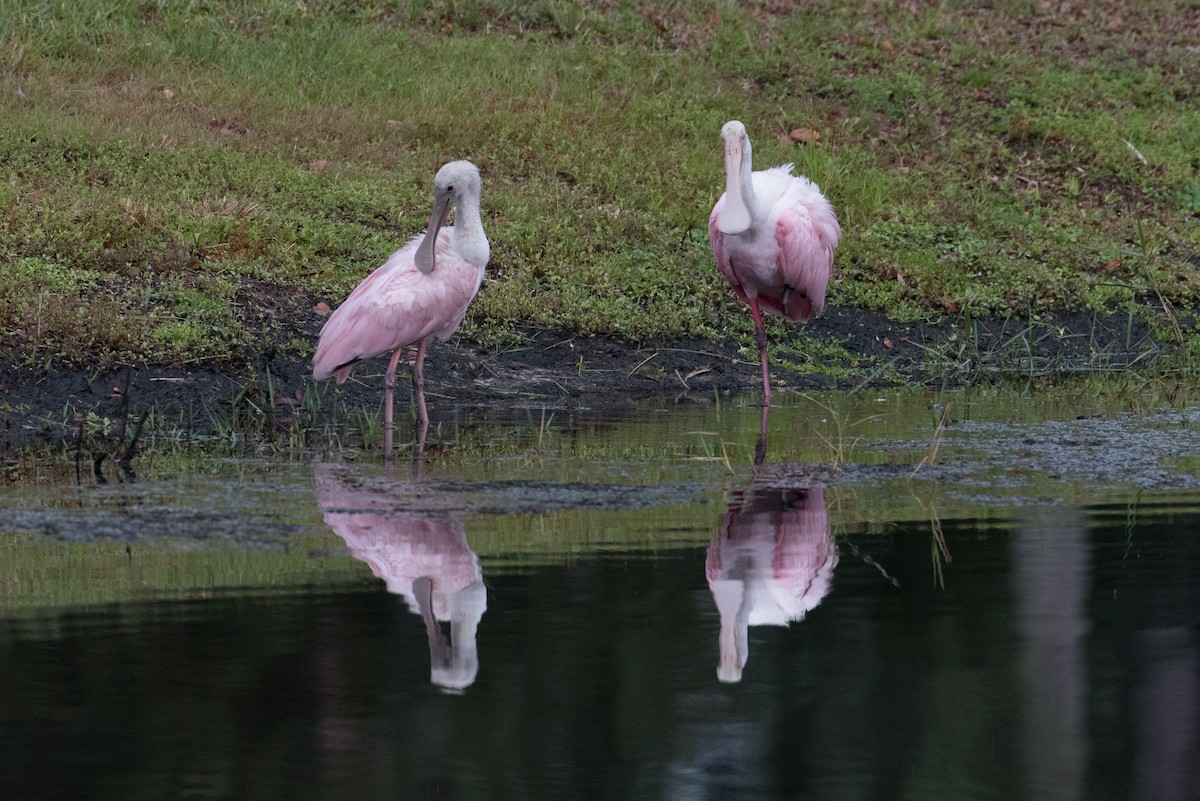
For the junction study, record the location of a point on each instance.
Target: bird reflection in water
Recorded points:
(771, 562)
(422, 556)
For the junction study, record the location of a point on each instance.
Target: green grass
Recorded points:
(177, 180)
(40, 574)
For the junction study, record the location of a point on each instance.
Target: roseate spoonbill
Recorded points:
(422, 291)
(770, 562)
(773, 235)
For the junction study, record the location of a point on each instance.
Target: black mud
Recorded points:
(548, 368)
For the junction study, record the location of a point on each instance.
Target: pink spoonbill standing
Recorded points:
(773, 235)
(421, 292)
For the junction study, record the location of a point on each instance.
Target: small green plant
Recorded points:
(1189, 198)
(930, 458)
(840, 445)
(706, 451)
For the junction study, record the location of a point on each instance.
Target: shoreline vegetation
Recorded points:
(184, 187)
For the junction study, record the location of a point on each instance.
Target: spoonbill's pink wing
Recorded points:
(397, 305)
(806, 242)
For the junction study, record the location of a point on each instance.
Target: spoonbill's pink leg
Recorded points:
(389, 392)
(761, 334)
(419, 385)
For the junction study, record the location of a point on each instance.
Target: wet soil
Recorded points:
(981, 463)
(549, 368)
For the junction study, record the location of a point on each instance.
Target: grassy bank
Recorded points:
(180, 182)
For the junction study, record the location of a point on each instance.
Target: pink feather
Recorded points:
(397, 305)
(773, 236)
(800, 255)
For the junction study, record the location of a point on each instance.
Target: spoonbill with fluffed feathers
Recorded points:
(773, 235)
(421, 292)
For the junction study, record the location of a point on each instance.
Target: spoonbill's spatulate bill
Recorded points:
(773, 235)
(422, 291)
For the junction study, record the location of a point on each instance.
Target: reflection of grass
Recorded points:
(543, 426)
(37, 573)
(939, 552)
(866, 558)
(852, 511)
(840, 449)
(1131, 519)
(515, 541)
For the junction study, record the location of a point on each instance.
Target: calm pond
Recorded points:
(591, 604)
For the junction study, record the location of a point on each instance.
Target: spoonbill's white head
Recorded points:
(454, 182)
(734, 133)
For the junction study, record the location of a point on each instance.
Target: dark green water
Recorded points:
(556, 626)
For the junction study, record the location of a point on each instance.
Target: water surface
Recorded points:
(593, 606)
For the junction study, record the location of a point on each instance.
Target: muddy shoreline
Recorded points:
(550, 368)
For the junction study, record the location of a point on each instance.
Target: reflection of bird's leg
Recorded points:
(439, 650)
(761, 335)
(389, 392)
(760, 452)
(419, 454)
(419, 457)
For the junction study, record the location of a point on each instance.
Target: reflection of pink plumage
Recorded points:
(423, 557)
(773, 236)
(402, 548)
(770, 563)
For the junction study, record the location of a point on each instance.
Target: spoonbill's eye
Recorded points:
(450, 188)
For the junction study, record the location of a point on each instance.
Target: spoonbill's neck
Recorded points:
(468, 237)
(738, 214)
(745, 180)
